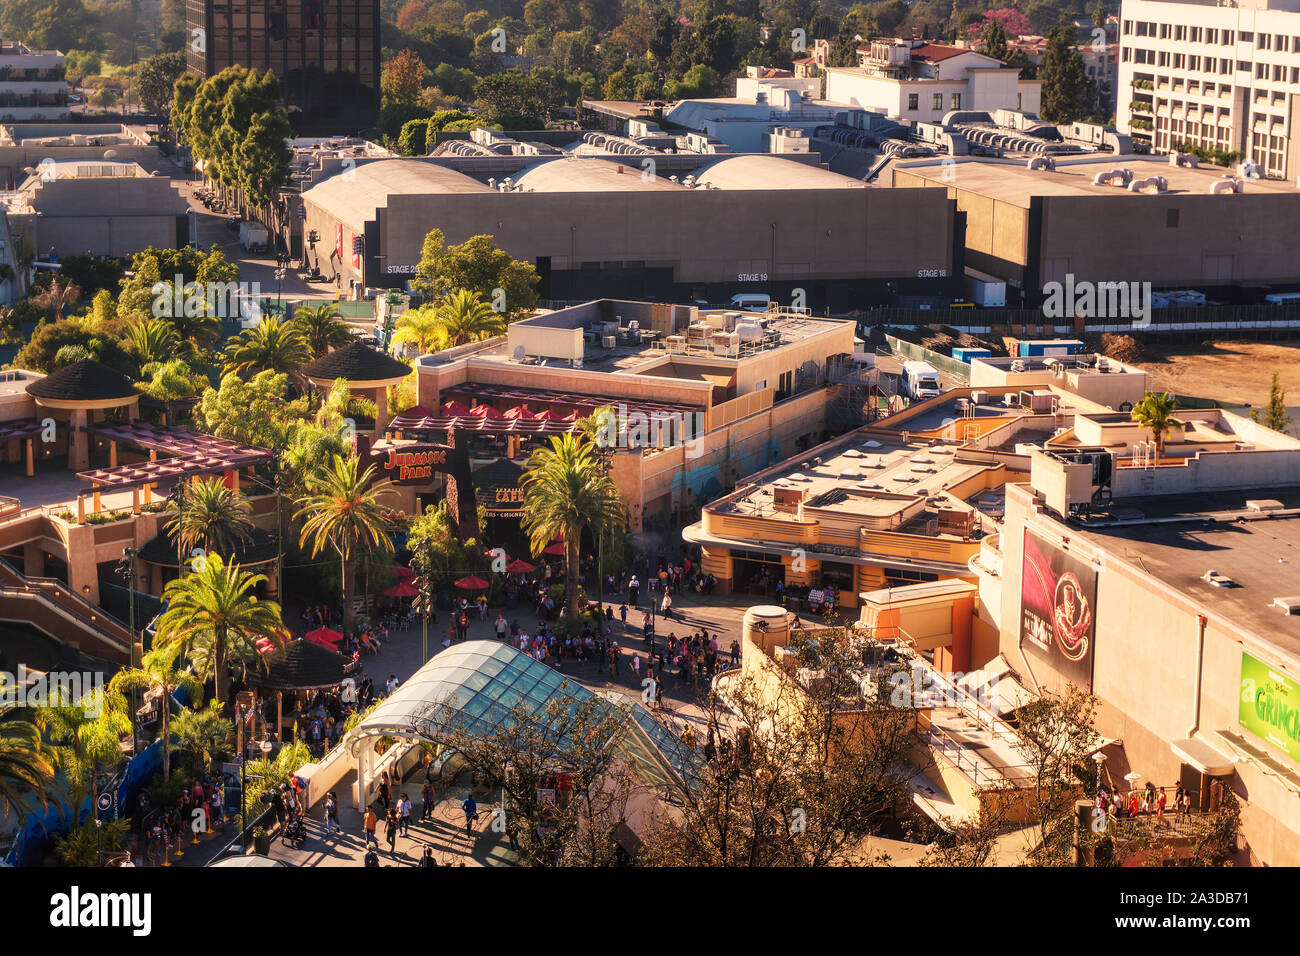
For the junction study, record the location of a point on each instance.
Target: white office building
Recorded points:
(922, 82)
(32, 84)
(1215, 75)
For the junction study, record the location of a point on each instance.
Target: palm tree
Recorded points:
(566, 490)
(215, 517)
(214, 611)
(24, 769)
(1156, 412)
(84, 734)
(272, 344)
(322, 327)
(343, 512)
(151, 340)
(160, 673)
(168, 382)
(202, 730)
(419, 327)
(464, 317)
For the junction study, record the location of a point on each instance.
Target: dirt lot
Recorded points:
(1235, 372)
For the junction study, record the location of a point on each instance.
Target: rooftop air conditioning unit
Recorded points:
(675, 343)
(607, 341)
(979, 398)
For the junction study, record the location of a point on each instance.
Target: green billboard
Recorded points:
(1270, 705)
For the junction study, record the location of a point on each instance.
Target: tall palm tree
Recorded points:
(463, 317)
(342, 512)
(215, 517)
(24, 767)
(1156, 412)
(419, 327)
(566, 490)
(151, 340)
(84, 734)
(213, 611)
(272, 344)
(160, 673)
(322, 327)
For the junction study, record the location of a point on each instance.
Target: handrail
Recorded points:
(56, 592)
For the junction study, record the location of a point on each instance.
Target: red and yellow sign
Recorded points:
(414, 464)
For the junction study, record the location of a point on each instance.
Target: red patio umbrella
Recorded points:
(519, 567)
(471, 583)
(557, 548)
(326, 637)
(402, 589)
(265, 645)
(520, 412)
(454, 409)
(484, 411)
(403, 571)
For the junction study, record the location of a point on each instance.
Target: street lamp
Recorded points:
(279, 277)
(126, 569)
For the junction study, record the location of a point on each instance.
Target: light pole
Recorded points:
(126, 568)
(279, 277)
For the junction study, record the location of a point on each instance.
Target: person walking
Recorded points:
(470, 806)
(404, 808)
(372, 857)
(427, 859)
(331, 814)
(666, 605)
(391, 824)
(368, 825)
(426, 797)
(633, 590)
(383, 789)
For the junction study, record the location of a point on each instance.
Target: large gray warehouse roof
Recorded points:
(770, 172)
(353, 195)
(587, 174)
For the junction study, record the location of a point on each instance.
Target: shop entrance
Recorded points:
(756, 572)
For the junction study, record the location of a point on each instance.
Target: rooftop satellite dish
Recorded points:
(519, 353)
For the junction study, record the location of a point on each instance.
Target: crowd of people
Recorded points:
(1150, 802)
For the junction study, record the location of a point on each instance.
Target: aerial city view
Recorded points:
(650, 433)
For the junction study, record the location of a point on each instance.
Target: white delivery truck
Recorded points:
(986, 291)
(253, 236)
(921, 379)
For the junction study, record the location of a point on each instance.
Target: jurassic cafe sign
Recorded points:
(414, 464)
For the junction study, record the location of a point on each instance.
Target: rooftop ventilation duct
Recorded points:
(1155, 183)
(1124, 176)
(1229, 185)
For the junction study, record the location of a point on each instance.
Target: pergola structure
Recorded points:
(481, 392)
(82, 390)
(191, 454)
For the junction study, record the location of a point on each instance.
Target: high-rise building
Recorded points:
(1220, 76)
(325, 52)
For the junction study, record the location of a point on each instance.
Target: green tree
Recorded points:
(212, 612)
(271, 345)
(84, 734)
(212, 516)
(462, 317)
(169, 382)
(150, 289)
(255, 412)
(1156, 412)
(403, 78)
(201, 731)
(322, 327)
(342, 512)
(1065, 96)
(150, 340)
(156, 82)
(1099, 14)
(479, 266)
(160, 673)
(24, 767)
(567, 491)
(619, 86)
(419, 327)
(994, 40)
(509, 94)
(1276, 417)
(414, 138)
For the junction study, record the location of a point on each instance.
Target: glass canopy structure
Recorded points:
(478, 685)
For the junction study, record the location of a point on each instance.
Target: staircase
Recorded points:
(48, 604)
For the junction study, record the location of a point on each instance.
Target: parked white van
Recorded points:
(751, 301)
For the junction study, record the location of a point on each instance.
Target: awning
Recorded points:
(995, 686)
(1203, 757)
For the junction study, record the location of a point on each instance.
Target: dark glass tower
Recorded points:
(325, 52)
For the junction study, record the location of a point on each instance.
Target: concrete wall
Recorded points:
(701, 235)
(1144, 672)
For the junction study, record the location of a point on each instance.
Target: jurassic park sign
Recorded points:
(414, 464)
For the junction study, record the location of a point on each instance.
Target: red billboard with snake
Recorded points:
(1058, 609)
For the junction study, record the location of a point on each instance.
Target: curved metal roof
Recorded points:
(770, 172)
(478, 684)
(586, 174)
(353, 195)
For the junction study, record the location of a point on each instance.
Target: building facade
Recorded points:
(325, 52)
(32, 84)
(1221, 77)
(922, 82)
